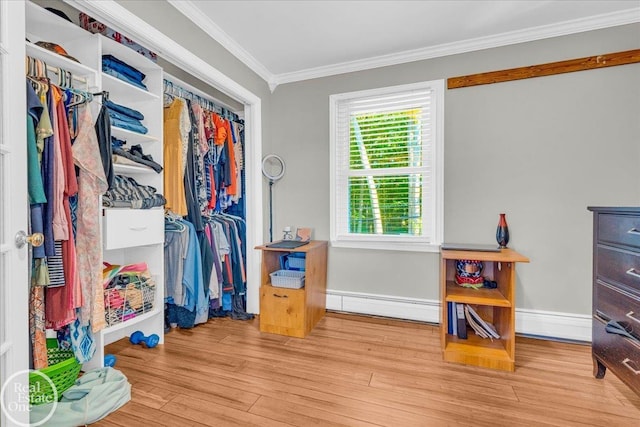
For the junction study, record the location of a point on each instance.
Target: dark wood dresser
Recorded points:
(616, 293)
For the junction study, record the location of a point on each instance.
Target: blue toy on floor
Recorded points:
(138, 337)
(109, 360)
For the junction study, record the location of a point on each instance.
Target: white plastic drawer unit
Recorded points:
(127, 228)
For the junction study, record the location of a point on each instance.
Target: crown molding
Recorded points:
(191, 11)
(624, 17)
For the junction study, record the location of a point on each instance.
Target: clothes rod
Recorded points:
(104, 94)
(184, 85)
(58, 71)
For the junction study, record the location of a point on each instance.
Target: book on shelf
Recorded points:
(475, 326)
(454, 320)
(481, 327)
(449, 317)
(462, 324)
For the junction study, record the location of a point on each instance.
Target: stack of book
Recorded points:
(458, 315)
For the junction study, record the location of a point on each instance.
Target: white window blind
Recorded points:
(386, 167)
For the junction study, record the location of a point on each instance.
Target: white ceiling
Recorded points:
(286, 41)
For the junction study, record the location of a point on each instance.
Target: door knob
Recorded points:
(36, 239)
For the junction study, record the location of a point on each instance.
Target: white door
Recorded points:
(14, 331)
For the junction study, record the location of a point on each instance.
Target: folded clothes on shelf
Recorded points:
(134, 114)
(122, 117)
(132, 126)
(123, 71)
(117, 143)
(125, 117)
(124, 78)
(127, 193)
(136, 155)
(119, 159)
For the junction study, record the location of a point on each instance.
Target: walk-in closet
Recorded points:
(138, 192)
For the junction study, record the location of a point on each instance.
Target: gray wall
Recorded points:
(541, 150)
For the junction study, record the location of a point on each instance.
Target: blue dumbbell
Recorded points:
(138, 337)
(109, 360)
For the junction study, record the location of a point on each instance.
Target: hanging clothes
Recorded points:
(229, 232)
(201, 147)
(45, 132)
(176, 242)
(206, 254)
(36, 196)
(60, 137)
(190, 305)
(92, 183)
(210, 159)
(62, 301)
(239, 159)
(216, 280)
(211, 179)
(103, 133)
(60, 175)
(190, 181)
(34, 178)
(174, 158)
(224, 140)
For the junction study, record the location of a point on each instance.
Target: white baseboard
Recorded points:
(545, 324)
(383, 305)
(566, 326)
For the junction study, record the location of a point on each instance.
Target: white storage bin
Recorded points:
(287, 279)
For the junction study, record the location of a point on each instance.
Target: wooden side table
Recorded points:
(293, 312)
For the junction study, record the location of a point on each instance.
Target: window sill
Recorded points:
(387, 246)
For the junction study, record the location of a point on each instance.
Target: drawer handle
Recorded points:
(280, 296)
(632, 272)
(634, 231)
(626, 361)
(630, 316)
(141, 228)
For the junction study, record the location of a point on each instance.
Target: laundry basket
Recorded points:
(129, 291)
(63, 372)
(123, 302)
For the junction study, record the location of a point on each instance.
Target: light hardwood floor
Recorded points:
(358, 371)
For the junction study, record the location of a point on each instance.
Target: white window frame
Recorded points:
(432, 207)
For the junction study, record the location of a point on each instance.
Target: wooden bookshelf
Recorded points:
(496, 306)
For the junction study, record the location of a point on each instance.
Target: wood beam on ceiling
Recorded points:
(549, 69)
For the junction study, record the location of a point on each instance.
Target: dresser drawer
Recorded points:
(614, 304)
(620, 229)
(282, 308)
(126, 228)
(619, 354)
(618, 266)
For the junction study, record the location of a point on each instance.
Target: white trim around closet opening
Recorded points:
(120, 19)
